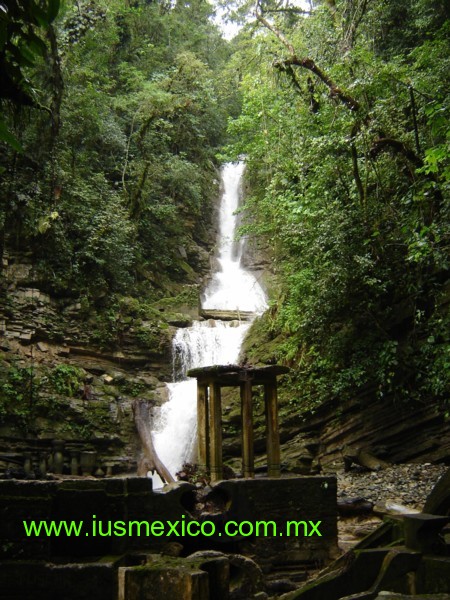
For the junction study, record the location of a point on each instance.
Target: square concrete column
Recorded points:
(215, 432)
(202, 425)
(273, 433)
(248, 458)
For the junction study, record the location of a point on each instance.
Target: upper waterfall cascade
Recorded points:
(232, 287)
(212, 341)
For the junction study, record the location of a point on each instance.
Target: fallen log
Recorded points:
(354, 506)
(364, 458)
(150, 460)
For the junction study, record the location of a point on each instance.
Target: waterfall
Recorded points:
(232, 287)
(209, 342)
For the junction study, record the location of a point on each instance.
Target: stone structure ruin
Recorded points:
(153, 567)
(210, 380)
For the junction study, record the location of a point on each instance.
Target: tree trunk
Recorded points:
(150, 461)
(306, 63)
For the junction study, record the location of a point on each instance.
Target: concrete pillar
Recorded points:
(273, 433)
(202, 425)
(58, 458)
(74, 465)
(43, 464)
(215, 432)
(27, 465)
(248, 458)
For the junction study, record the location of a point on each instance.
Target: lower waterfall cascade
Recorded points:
(211, 341)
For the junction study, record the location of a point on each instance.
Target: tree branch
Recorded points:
(57, 83)
(396, 145)
(356, 175)
(290, 10)
(305, 63)
(355, 22)
(127, 152)
(150, 461)
(310, 65)
(277, 32)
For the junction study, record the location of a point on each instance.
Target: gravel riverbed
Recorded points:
(407, 485)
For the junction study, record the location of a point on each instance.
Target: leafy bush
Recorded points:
(66, 380)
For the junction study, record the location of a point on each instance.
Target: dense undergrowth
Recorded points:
(348, 166)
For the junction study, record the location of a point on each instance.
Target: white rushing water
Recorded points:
(209, 342)
(232, 287)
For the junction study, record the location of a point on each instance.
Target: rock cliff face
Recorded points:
(392, 432)
(322, 440)
(70, 374)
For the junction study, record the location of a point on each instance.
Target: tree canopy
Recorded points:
(345, 128)
(119, 138)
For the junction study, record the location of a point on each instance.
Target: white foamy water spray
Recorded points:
(210, 342)
(232, 287)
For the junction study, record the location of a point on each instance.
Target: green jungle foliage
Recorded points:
(348, 165)
(21, 399)
(341, 110)
(20, 45)
(118, 135)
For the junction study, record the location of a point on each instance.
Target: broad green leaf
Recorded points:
(39, 15)
(7, 136)
(53, 9)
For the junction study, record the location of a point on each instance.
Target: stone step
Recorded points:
(294, 572)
